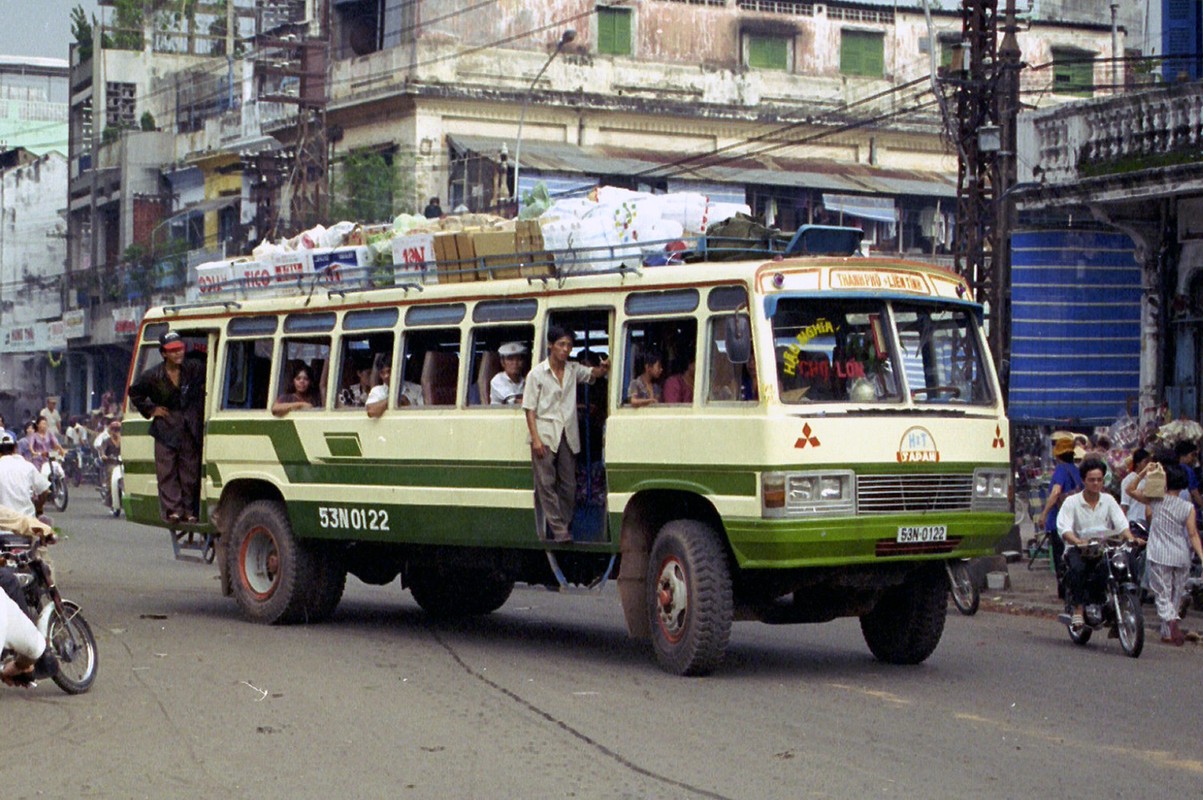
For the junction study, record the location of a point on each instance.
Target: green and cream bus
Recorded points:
(844, 439)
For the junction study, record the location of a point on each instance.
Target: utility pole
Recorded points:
(292, 66)
(987, 99)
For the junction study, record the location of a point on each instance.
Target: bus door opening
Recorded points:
(591, 329)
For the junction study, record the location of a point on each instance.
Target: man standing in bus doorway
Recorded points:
(549, 400)
(171, 395)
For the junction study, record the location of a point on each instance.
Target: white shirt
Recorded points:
(1078, 518)
(77, 434)
(505, 392)
(19, 482)
(377, 394)
(100, 439)
(1136, 510)
(53, 418)
(554, 403)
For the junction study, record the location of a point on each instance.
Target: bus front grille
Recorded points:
(893, 494)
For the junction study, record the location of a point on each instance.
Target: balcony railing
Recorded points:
(1140, 130)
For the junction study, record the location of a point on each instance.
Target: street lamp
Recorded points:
(568, 36)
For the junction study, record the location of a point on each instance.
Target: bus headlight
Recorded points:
(792, 494)
(991, 489)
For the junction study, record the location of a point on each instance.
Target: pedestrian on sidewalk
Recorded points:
(1172, 535)
(1066, 481)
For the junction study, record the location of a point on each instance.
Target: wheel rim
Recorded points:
(259, 559)
(962, 587)
(76, 660)
(672, 599)
(1127, 624)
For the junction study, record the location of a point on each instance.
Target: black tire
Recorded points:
(75, 647)
(58, 493)
(906, 624)
(448, 595)
(330, 580)
(1131, 624)
(271, 573)
(965, 595)
(689, 598)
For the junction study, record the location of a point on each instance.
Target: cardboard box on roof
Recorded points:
(498, 253)
(466, 252)
(536, 261)
(445, 257)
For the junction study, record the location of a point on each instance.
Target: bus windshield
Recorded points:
(842, 351)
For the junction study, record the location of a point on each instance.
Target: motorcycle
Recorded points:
(53, 470)
(965, 594)
(113, 490)
(1119, 606)
(82, 465)
(67, 633)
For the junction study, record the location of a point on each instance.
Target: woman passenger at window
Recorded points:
(303, 396)
(679, 386)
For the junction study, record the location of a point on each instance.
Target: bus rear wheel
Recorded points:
(906, 624)
(689, 598)
(271, 572)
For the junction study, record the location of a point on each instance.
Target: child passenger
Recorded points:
(645, 389)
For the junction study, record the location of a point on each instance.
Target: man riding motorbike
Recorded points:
(1089, 515)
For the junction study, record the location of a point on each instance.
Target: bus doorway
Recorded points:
(591, 329)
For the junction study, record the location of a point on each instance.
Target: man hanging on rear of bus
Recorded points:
(549, 400)
(172, 396)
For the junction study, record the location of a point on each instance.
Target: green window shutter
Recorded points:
(614, 31)
(946, 50)
(862, 53)
(1071, 75)
(768, 52)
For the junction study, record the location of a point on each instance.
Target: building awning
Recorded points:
(823, 175)
(878, 209)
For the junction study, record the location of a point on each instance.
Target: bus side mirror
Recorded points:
(738, 338)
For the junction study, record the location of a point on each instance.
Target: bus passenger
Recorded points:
(644, 390)
(172, 396)
(549, 401)
(303, 395)
(678, 388)
(356, 394)
(377, 399)
(505, 389)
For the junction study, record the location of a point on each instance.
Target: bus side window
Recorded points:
(727, 382)
(673, 342)
(486, 360)
(313, 353)
(248, 371)
(430, 368)
(361, 359)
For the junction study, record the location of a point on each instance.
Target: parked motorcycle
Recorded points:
(67, 632)
(965, 594)
(53, 470)
(1119, 606)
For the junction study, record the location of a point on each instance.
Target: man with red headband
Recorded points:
(172, 396)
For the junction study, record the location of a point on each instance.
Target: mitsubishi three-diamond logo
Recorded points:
(807, 438)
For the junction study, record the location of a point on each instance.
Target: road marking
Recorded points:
(876, 694)
(1160, 758)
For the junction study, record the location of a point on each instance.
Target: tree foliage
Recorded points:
(368, 186)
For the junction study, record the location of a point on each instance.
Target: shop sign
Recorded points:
(75, 323)
(125, 321)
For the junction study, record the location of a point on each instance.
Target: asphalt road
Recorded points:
(547, 698)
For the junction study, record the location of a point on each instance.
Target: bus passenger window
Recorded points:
(304, 372)
(500, 362)
(248, 372)
(727, 382)
(657, 360)
(359, 360)
(430, 368)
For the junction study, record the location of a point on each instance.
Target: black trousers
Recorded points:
(12, 588)
(1085, 578)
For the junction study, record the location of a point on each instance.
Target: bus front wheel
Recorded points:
(906, 624)
(270, 570)
(689, 598)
